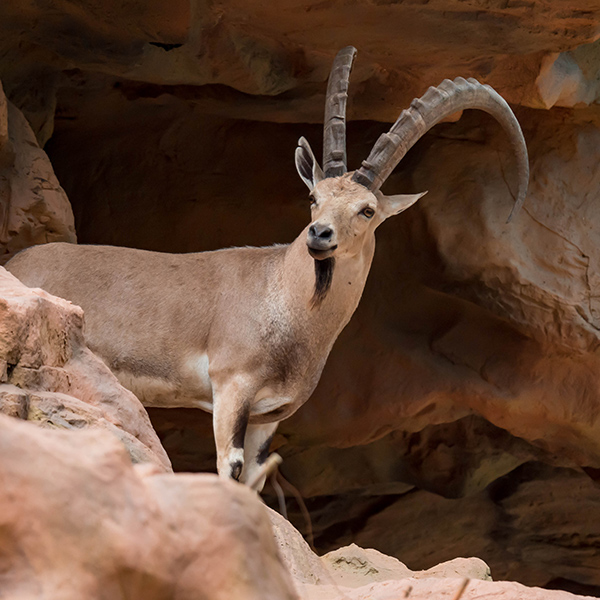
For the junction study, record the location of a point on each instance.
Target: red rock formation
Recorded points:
(34, 209)
(530, 50)
(473, 356)
(78, 521)
(130, 533)
(48, 375)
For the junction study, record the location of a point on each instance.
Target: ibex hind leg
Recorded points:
(256, 450)
(230, 421)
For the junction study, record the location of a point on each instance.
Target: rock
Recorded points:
(535, 525)
(34, 209)
(282, 52)
(79, 521)
(467, 568)
(473, 356)
(353, 566)
(364, 574)
(570, 78)
(303, 564)
(48, 375)
(423, 589)
(131, 533)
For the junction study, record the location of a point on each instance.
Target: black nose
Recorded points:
(322, 232)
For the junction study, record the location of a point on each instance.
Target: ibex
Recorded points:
(245, 332)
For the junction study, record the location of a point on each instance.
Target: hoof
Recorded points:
(236, 469)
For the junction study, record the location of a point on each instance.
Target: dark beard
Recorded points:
(323, 278)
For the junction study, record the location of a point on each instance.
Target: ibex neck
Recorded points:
(349, 278)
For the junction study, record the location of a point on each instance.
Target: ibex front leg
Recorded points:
(256, 450)
(231, 409)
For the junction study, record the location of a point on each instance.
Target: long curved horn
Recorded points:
(334, 126)
(425, 112)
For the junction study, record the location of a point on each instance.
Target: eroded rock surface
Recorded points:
(536, 525)
(356, 573)
(34, 209)
(48, 375)
(131, 533)
(284, 50)
(471, 363)
(79, 521)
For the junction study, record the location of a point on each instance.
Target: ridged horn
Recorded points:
(425, 112)
(334, 125)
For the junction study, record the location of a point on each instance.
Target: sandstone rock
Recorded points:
(364, 574)
(536, 525)
(285, 50)
(570, 78)
(131, 533)
(473, 352)
(34, 209)
(303, 564)
(78, 521)
(61, 383)
(353, 566)
(422, 589)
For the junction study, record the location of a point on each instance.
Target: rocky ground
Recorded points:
(458, 412)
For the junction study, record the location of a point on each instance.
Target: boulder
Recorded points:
(34, 209)
(48, 374)
(78, 520)
(355, 573)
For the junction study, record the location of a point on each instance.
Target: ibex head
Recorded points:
(344, 212)
(347, 207)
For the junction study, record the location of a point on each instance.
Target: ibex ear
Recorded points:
(394, 205)
(306, 164)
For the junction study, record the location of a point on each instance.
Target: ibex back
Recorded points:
(245, 332)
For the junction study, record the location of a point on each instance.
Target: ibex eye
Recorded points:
(367, 212)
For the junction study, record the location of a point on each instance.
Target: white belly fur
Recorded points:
(191, 388)
(195, 375)
(151, 391)
(267, 400)
(195, 390)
